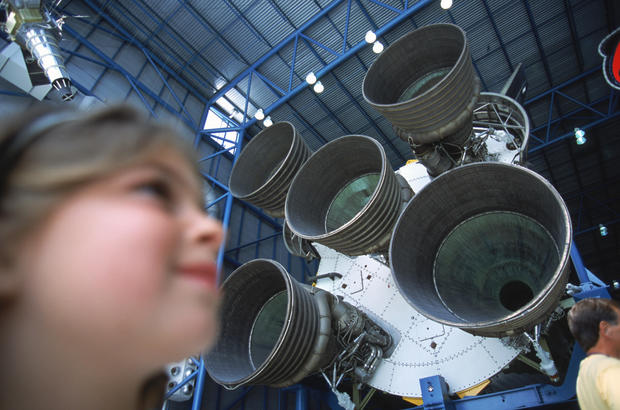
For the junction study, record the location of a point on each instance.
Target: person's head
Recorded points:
(105, 242)
(595, 322)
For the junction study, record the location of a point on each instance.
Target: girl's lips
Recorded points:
(206, 272)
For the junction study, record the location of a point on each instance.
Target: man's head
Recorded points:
(595, 324)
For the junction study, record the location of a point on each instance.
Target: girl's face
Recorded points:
(125, 267)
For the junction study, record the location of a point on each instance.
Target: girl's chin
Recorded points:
(203, 342)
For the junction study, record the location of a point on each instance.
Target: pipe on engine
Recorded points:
(495, 109)
(346, 197)
(298, 246)
(273, 330)
(483, 247)
(265, 168)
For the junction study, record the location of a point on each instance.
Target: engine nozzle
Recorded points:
(483, 247)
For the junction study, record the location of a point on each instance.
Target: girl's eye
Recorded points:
(158, 189)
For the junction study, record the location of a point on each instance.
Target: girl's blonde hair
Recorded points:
(69, 150)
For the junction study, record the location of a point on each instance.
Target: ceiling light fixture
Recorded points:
(259, 114)
(377, 47)
(370, 37)
(318, 87)
(311, 78)
(602, 229)
(580, 136)
(446, 4)
(268, 122)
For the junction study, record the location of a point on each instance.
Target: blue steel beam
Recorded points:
(169, 51)
(533, 396)
(162, 23)
(499, 37)
(240, 16)
(325, 108)
(110, 64)
(254, 242)
(406, 12)
(524, 34)
(241, 221)
(606, 223)
(91, 31)
(351, 97)
(218, 36)
(105, 70)
(327, 68)
(136, 43)
(107, 64)
(585, 124)
(480, 76)
(132, 80)
(229, 199)
(584, 195)
(279, 92)
(274, 51)
(543, 57)
(573, 34)
(14, 93)
(367, 15)
(380, 132)
(308, 126)
(174, 94)
(385, 5)
(595, 115)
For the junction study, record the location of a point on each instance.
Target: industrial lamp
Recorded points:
(580, 136)
(311, 78)
(446, 4)
(259, 114)
(370, 37)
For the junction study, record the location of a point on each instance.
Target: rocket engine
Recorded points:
(276, 331)
(409, 284)
(31, 26)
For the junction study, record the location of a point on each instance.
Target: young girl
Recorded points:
(107, 259)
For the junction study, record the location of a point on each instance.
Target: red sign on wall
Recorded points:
(609, 49)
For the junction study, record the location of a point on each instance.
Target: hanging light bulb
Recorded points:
(268, 122)
(259, 114)
(602, 229)
(446, 4)
(318, 87)
(370, 37)
(580, 136)
(311, 78)
(377, 47)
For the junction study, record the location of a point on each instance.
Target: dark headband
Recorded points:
(13, 148)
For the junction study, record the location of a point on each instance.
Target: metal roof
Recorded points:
(216, 47)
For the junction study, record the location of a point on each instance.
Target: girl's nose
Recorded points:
(206, 230)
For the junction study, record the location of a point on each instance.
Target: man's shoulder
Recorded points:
(596, 363)
(601, 359)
